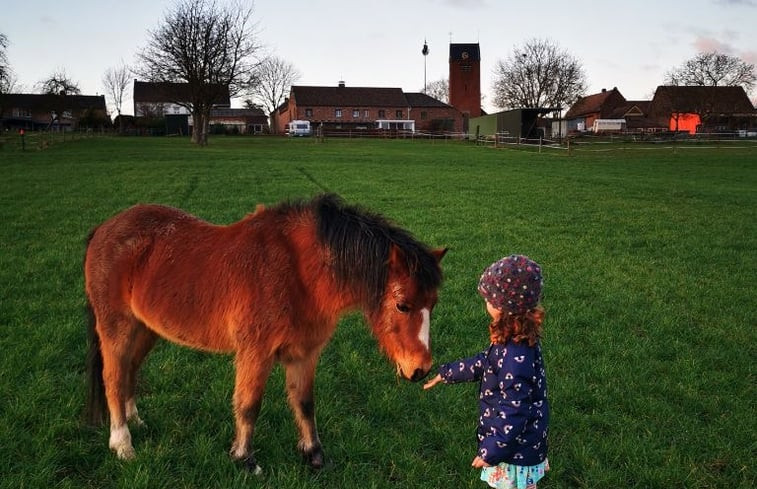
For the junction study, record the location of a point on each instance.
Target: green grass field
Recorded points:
(650, 264)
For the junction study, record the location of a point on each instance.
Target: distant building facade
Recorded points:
(689, 109)
(52, 112)
(703, 109)
(343, 108)
(158, 99)
(240, 121)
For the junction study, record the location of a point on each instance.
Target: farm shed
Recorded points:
(516, 123)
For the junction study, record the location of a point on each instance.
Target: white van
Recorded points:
(299, 128)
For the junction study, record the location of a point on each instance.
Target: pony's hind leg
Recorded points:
(252, 371)
(144, 340)
(116, 343)
(300, 376)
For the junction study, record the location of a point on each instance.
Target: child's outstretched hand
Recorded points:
(479, 463)
(432, 382)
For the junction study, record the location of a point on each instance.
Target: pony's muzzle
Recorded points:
(418, 373)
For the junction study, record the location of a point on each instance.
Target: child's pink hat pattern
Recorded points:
(512, 284)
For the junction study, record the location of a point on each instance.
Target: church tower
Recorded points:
(465, 80)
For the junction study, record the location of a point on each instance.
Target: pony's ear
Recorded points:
(395, 257)
(439, 253)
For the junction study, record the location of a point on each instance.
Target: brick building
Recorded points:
(343, 108)
(581, 116)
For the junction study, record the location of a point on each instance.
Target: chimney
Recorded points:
(341, 83)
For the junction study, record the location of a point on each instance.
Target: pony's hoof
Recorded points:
(126, 453)
(314, 457)
(252, 466)
(248, 461)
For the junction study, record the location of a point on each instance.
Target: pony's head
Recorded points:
(393, 277)
(402, 320)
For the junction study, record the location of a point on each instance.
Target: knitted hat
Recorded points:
(512, 284)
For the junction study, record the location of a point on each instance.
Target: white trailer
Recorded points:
(299, 128)
(608, 125)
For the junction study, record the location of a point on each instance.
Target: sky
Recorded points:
(628, 45)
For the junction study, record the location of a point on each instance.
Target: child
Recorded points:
(512, 429)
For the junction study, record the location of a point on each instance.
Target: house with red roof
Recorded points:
(581, 116)
(703, 109)
(689, 109)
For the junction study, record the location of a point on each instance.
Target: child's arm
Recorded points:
(464, 370)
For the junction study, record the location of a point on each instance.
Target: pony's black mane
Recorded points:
(360, 241)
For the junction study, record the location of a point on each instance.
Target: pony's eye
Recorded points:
(403, 308)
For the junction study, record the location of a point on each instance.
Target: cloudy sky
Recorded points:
(629, 45)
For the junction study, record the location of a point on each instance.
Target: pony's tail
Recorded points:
(95, 406)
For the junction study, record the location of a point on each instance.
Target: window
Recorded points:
(382, 114)
(398, 114)
(308, 112)
(367, 114)
(355, 113)
(424, 115)
(22, 113)
(338, 113)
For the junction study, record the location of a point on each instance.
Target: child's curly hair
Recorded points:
(519, 328)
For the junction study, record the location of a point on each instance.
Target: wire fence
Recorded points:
(41, 140)
(623, 142)
(670, 141)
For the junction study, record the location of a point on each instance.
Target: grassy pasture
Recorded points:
(650, 264)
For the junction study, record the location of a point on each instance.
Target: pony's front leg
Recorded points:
(252, 372)
(300, 375)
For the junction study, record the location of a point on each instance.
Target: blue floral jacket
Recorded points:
(513, 402)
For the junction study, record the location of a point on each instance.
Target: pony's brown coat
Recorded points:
(269, 288)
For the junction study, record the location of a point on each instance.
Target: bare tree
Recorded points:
(207, 46)
(439, 89)
(538, 74)
(116, 81)
(272, 82)
(5, 69)
(6, 76)
(714, 69)
(59, 83)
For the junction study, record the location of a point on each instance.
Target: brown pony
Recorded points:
(269, 288)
